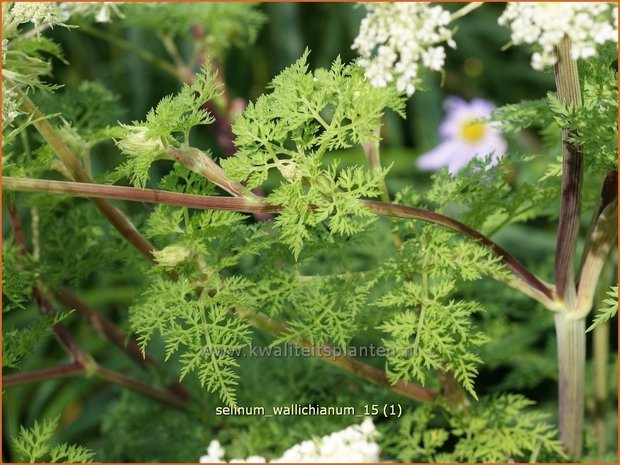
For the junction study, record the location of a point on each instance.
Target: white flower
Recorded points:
(101, 11)
(434, 58)
(250, 459)
(353, 444)
(103, 15)
(37, 13)
(396, 38)
(367, 428)
(465, 136)
(588, 24)
(215, 452)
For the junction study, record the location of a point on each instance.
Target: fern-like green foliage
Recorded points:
(175, 436)
(427, 329)
(495, 429)
(487, 198)
(28, 60)
(593, 125)
(501, 427)
(36, 445)
(606, 313)
(18, 342)
(225, 24)
(324, 309)
(167, 125)
(509, 323)
(97, 247)
(198, 326)
(89, 109)
(523, 115)
(290, 130)
(325, 269)
(26, 63)
(216, 240)
(17, 277)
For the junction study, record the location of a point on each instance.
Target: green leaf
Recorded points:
(226, 24)
(19, 342)
(290, 130)
(167, 125)
(200, 329)
(499, 428)
(606, 313)
(35, 445)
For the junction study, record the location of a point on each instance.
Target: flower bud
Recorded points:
(137, 143)
(172, 255)
(290, 172)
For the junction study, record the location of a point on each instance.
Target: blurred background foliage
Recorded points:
(123, 426)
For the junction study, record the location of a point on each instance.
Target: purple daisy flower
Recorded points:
(465, 136)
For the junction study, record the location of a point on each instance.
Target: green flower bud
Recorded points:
(172, 255)
(137, 143)
(290, 172)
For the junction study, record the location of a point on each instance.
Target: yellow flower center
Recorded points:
(472, 132)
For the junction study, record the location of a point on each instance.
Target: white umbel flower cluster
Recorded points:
(395, 39)
(37, 13)
(57, 13)
(588, 24)
(355, 444)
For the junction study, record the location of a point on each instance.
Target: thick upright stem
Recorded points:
(600, 404)
(571, 339)
(598, 248)
(569, 93)
(600, 240)
(600, 354)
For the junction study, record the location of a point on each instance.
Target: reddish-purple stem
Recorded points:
(261, 206)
